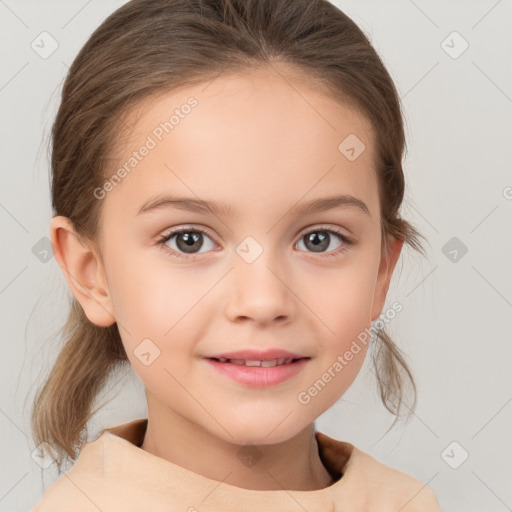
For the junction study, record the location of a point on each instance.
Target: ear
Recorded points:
(83, 269)
(390, 254)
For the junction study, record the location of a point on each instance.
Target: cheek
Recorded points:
(143, 291)
(343, 297)
(158, 302)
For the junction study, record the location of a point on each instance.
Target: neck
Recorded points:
(294, 464)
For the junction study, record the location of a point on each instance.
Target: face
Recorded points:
(256, 273)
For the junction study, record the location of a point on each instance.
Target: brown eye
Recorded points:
(186, 241)
(324, 241)
(189, 241)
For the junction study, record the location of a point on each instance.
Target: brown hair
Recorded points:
(148, 47)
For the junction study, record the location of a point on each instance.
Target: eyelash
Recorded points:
(165, 238)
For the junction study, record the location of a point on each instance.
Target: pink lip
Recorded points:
(258, 355)
(258, 376)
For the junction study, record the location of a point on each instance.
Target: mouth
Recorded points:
(258, 373)
(262, 363)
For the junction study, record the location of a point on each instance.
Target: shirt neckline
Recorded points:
(340, 458)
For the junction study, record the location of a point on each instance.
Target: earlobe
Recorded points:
(389, 258)
(83, 271)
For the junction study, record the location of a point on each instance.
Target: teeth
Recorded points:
(264, 364)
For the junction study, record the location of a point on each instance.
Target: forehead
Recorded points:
(249, 138)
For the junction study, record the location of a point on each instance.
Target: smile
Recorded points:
(264, 364)
(258, 373)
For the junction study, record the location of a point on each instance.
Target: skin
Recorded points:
(260, 145)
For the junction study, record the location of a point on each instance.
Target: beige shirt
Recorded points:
(113, 474)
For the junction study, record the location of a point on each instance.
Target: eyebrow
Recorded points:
(223, 209)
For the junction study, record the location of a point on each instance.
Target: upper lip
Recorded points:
(258, 355)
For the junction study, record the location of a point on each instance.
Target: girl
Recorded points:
(226, 183)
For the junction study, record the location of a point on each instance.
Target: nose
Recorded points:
(260, 291)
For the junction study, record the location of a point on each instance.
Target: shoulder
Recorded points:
(372, 484)
(77, 488)
(398, 489)
(63, 496)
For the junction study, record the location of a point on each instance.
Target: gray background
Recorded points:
(456, 322)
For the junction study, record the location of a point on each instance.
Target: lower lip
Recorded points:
(258, 376)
